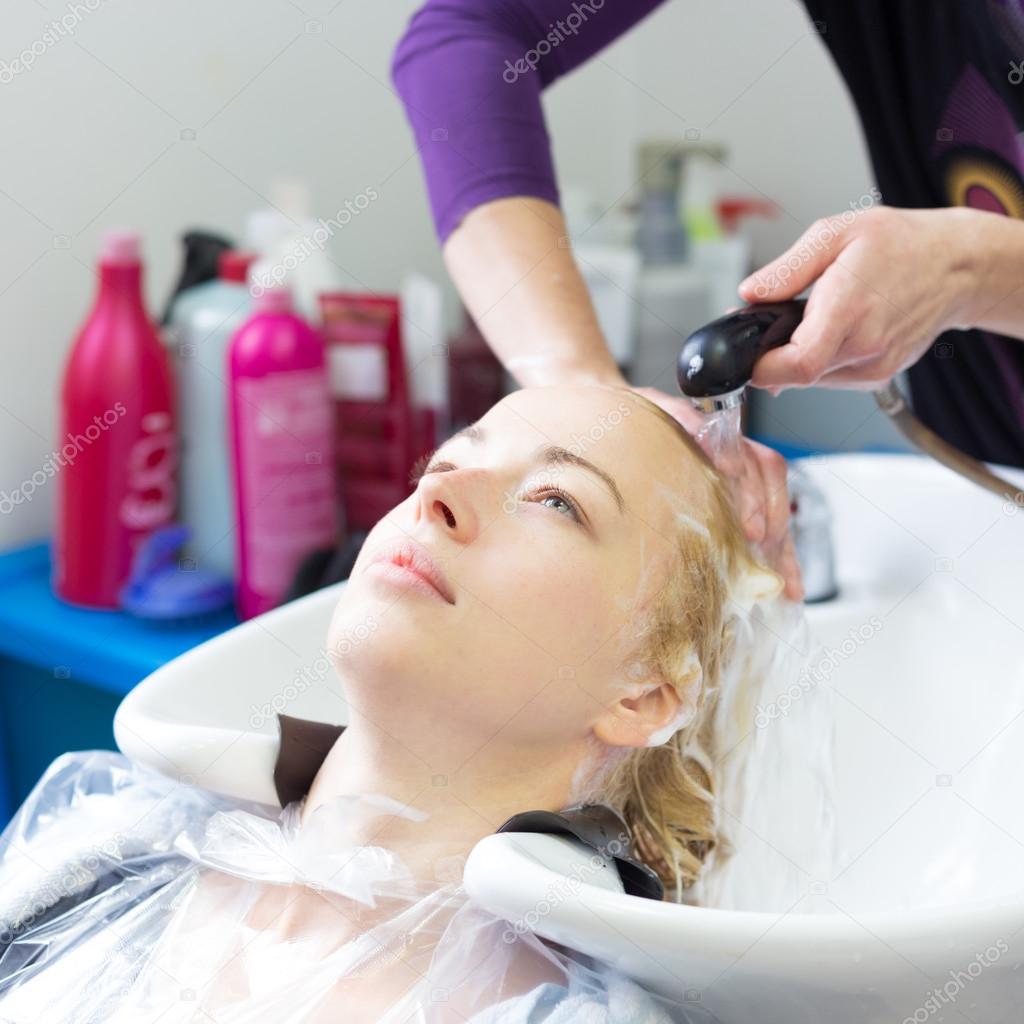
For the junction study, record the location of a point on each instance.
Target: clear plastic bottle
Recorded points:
(203, 320)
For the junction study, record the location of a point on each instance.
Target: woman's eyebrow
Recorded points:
(554, 455)
(551, 455)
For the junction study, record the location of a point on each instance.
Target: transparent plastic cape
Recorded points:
(774, 770)
(126, 896)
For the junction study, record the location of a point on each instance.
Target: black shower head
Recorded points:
(717, 361)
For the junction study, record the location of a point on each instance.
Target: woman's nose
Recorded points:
(454, 500)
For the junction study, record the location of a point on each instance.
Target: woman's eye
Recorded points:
(566, 500)
(565, 503)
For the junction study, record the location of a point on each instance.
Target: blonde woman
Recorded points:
(553, 608)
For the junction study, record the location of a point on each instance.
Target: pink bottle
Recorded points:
(118, 449)
(282, 424)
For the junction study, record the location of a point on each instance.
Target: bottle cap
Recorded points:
(233, 265)
(120, 245)
(266, 286)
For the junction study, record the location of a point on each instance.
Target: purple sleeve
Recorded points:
(471, 72)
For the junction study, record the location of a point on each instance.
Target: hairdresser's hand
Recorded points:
(886, 282)
(758, 477)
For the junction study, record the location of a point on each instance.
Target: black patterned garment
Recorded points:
(940, 91)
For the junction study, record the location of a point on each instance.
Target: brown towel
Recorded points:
(304, 746)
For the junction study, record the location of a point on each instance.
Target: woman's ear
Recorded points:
(641, 715)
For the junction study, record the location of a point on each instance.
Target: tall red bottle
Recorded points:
(118, 454)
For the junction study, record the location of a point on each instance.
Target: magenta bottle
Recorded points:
(118, 453)
(282, 430)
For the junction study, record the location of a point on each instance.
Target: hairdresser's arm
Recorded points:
(471, 76)
(521, 285)
(887, 282)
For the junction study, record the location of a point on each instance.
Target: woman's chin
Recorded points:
(373, 632)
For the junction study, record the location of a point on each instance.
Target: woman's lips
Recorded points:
(408, 562)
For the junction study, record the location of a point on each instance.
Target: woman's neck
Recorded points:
(465, 794)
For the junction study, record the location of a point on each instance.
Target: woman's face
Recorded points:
(553, 520)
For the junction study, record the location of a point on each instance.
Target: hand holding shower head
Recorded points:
(717, 361)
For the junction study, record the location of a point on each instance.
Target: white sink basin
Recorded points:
(930, 707)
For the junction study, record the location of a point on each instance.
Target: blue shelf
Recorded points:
(110, 650)
(64, 670)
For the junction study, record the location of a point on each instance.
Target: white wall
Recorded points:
(172, 115)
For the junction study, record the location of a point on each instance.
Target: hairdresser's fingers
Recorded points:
(730, 455)
(769, 524)
(863, 374)
(749, 493)
(775, 493)
(867, 378)
(776, 545)
(764, 500)
(828, 321)
(788, 568)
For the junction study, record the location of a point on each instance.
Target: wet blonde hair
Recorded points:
(667, 793)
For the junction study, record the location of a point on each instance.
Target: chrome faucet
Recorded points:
(811, 529)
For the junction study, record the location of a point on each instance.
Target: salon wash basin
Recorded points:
(923, 919)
